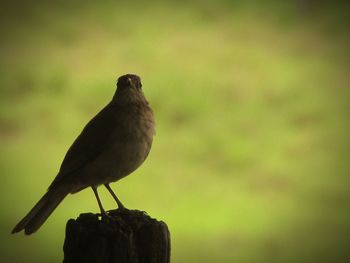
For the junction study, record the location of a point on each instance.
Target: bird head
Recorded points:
(129, 88)
(129, 81)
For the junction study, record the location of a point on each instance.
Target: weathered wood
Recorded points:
(126, 236)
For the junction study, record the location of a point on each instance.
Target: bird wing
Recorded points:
(93, 139)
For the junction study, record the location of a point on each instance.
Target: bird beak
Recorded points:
(130, 81)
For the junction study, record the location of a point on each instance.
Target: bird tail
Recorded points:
(40, 212)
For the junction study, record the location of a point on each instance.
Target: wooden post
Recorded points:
(127, 236)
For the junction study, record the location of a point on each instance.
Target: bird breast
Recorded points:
(129, 146)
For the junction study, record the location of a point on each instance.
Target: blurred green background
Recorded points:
(251, 158)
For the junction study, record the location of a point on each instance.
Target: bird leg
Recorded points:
(120, 205)
(103, 212)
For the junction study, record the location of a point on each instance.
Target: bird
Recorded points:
(112, 145)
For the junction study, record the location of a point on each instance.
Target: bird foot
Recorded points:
(105, 216)
(122, 208)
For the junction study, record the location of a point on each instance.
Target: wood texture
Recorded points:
(126, 236)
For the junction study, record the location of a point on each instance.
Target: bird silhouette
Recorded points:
(111, 146)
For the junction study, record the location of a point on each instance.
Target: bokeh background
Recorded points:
(251, 158)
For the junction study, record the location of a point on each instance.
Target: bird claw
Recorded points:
(122, 208)
(105, 216)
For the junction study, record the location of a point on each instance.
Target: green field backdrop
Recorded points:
(251, 158)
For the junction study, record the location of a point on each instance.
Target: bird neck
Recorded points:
(129, 96)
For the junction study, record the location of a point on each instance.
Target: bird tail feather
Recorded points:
(40, 212)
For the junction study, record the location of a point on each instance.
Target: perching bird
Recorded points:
(111, 146)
